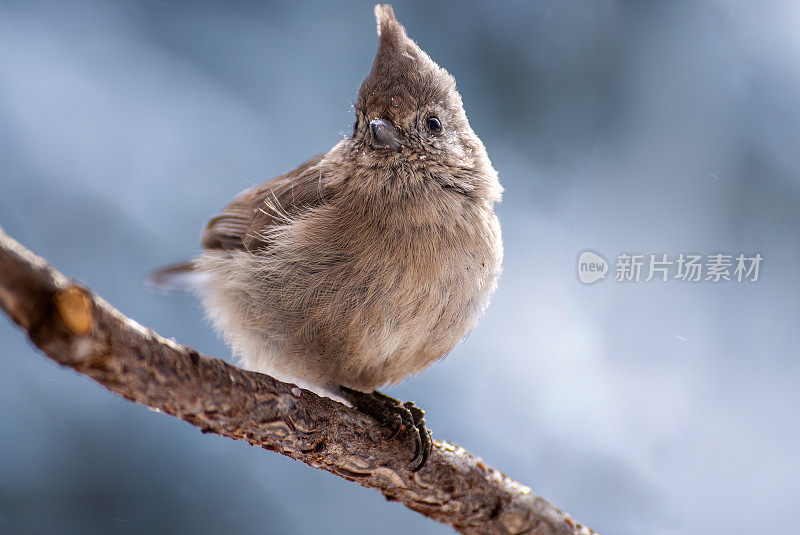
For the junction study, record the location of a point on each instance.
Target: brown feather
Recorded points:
(242, 224)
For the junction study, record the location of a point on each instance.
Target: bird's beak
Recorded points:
(385, 135)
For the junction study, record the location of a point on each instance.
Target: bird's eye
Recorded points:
(434, 124)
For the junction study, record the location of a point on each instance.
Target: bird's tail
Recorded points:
(180, 277)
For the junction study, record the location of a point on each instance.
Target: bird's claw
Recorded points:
(398, 417)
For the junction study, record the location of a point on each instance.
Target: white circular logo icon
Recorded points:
(591, 267)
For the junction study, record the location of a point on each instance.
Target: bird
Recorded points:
(369, 262)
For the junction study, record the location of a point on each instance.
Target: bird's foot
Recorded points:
(398, 417)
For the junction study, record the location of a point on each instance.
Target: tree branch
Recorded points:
(80, 330)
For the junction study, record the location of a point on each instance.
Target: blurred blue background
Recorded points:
(646, 127)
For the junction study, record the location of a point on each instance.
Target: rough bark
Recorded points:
(80, 330)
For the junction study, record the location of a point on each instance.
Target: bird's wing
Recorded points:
(242, 224)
